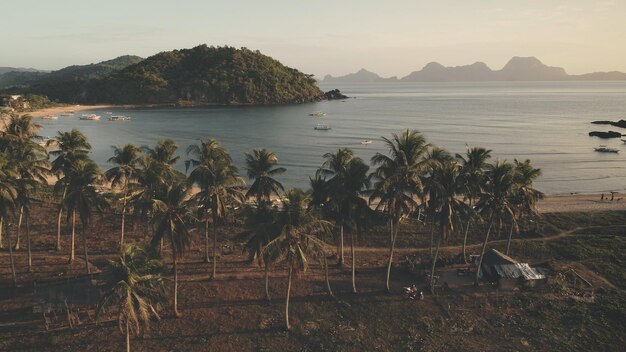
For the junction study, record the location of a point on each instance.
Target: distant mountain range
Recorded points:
(517, 69)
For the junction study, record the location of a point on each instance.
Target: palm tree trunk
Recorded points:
(30, 254)
(330, 291)
(341, 256)
(176, 312)
(123, 219)
(19, 229)
(58, 245)
(287, 299)
(508, 242)
(73, 236)
(84, 233)
(1, 227)
(353, 262)
(127, 338)
(267, 282)
(482, 253)
(206, 238)
(13, 272)
(432, 236)
(463, 249)
(392, 246)
(214, 250)
(432, 270)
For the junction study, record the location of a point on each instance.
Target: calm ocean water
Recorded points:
(546, 122)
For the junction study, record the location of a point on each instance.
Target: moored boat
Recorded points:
(605, 149)
(367, 141)
(317, 114)
(321, 127)
(119, 118)
(90, 117)
(50, 117)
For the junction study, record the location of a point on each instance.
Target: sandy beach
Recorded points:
(581, 202)
(61, 109)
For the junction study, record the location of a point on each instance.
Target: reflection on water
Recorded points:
(547, 122)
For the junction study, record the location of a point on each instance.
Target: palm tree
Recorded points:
(525, 197)
(437, 157)
(164, 153)
(71, 146)
(138, 287)
(171, 215)
(495, 201)
(82, 198)
(126, 159)
(261, 167)
(219, 182)
(446, 187)
(262, 226)
(8, 194)
(32, 167)
(348, 179)
(298, 240)
(397, 179)
(473, 165)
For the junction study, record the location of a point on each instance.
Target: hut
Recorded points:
(509, 273)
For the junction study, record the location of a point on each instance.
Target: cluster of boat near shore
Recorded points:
(88, 117)
(325, 127)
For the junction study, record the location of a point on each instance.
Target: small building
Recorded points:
(508, 273)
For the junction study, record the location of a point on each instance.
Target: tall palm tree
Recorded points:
(172, 213)
(216, 176)
(495, 202)
(298, 239)
(525, 197)
(123, 175)
(437, 157)
(164, 154)
(138, 286)
(261, 167)
(446, 188)
(83, 198)
(473, 164)
(70, 147)
(32, 167)
(8, 194)
(397, 179)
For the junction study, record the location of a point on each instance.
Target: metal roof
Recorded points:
(517, 270)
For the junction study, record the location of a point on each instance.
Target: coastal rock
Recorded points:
(609, 134)
(620, 123)
(335, 94)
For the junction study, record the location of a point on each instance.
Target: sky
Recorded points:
(392, 37)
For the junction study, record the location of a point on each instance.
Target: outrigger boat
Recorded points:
(321, 127)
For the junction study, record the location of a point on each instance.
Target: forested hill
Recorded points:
(206, 75)
(199, 76)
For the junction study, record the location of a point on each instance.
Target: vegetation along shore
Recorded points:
(396, 254)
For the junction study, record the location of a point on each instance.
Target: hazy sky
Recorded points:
(338, 36)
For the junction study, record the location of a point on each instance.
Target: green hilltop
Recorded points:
(204, 75)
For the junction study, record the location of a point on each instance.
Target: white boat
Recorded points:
(90, 117)
(119, 118)
(605, 149)
(321, 127)
(318, 114)
(367, 141)
(109, 113)
(50, 117)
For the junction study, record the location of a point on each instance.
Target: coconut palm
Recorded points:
(216, 176)
(348, 179)
(82, 198)
(525, 197)
(261, 167)
(138, 286)
(8, 195)
(164, 154)
(473, 164)
(32, 166)
(297, 241)
(495, 201)
(446, 188)
(397, 179)
(437, 157)
(123, 175)
(261, 228)
(70, 147)
(172, 213)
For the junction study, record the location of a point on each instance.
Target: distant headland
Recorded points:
(517, 69)
(203, 75)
